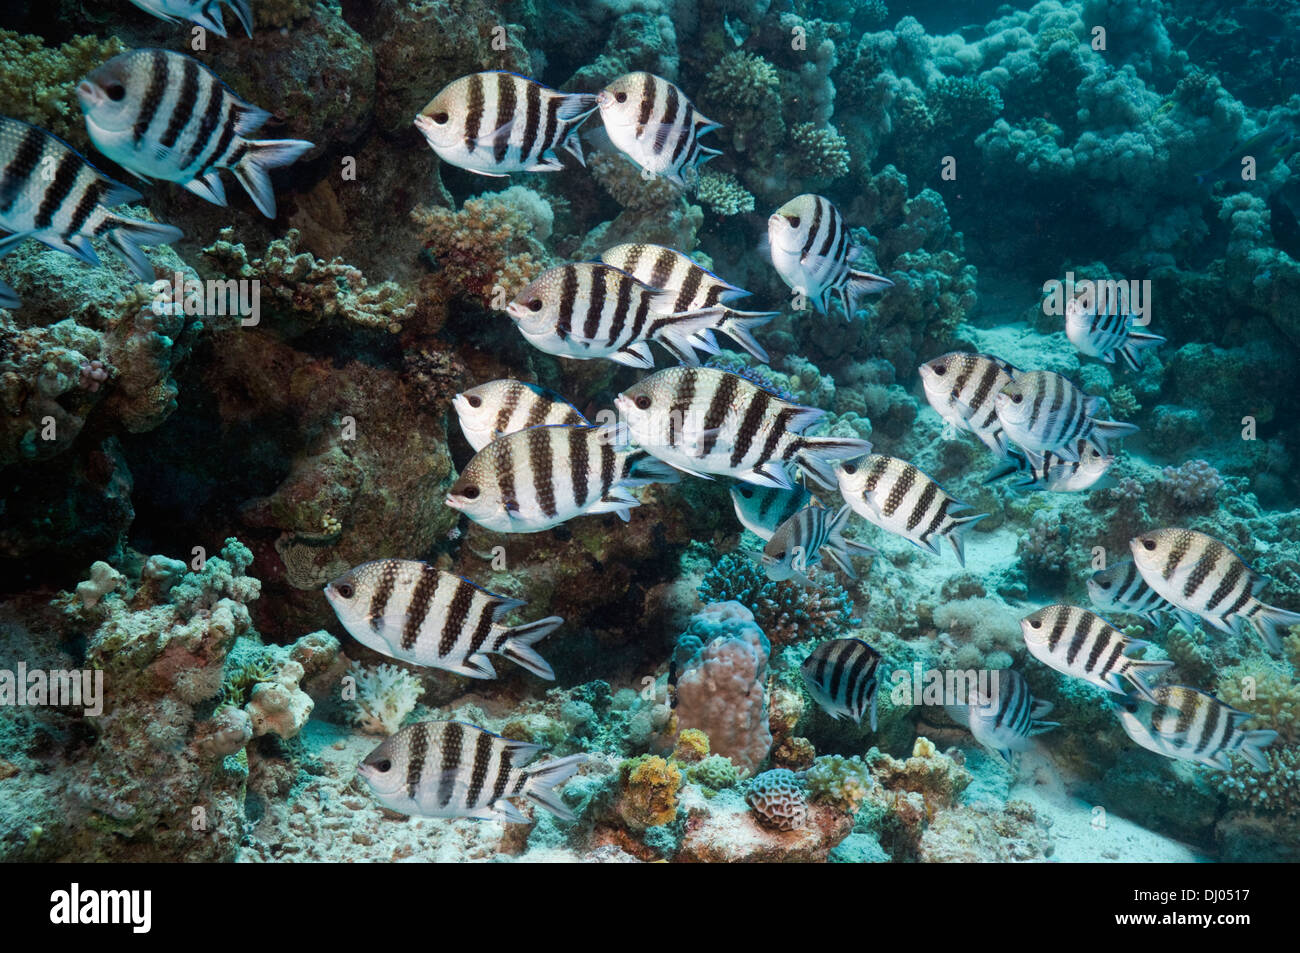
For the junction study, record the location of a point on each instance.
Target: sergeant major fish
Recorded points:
(1041, 410)
(961, 387)
(453, 769)
(495, 123)
(1103, 331)
(204, 13)
(1205, 577)
(1189, 725)
(761, 509)
(706, 421)
(586, 310)
(798, 544)
(1120, 588)
(901, 499)
(1049, 471)
(410, 611)
(497, 408)
(1083, 644)
(812, 250)
(841, 676)
(655, 125)
(697, 289)
(163, 115)
(1004, 719)
(50, 193)
(535, 479)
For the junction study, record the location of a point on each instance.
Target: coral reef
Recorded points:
(785, 611)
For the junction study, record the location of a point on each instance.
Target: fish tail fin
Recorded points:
(545, 777)
(815, 455)
(128, 235)
(957, 535)
(1103, 431)
(1253, 745)
(516, 643)
(1131, 351)
(641, 468)
(1271, 623)
(253, 170)
(737, 324)
(573, 112)
(1136, 673)
(8, 297)
(861, 283)
(681, 333)
(209, 18)
(243, 12)
(839, 549)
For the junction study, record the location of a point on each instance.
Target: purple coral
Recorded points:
(93, 373)
(1192, 485)
(778, 800)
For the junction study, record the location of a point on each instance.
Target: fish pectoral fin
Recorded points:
(547, 162)
(476, 666)
(762, 476)
(658, 133)
(78, 247)
(10, 242)
(488, 138)
(635, 355)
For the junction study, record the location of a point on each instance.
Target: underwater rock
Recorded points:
(724, 830)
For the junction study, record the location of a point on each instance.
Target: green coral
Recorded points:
(744, 92)
(723, 193)
(1191, 654)
(38, 83)
(1123, 401)
(821, 151)
(714, 773)
(1274, 789)
(1266, 689)
(843, 782)
(247, 664)
(963, 104)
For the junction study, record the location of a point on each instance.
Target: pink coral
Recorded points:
(1194, 484)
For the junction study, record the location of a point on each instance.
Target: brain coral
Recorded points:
(778, 800)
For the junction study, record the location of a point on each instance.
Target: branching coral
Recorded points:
(1274, 789)
(785, 611)
(1042, 550)
(744, 92)
(37, 82)
(1268, 690)
(821, 152)
(385, 695)
(297, 286)
(1193, 485)
(721, 192)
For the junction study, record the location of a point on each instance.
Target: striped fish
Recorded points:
(1189, 725)
(697, 288)
(163, 115)
(1207, 578)
(1049, 471)
(705, 421)
(1041, 410)
(412, 612)
(841, 676)
(1102, 330)
(1121, 588)
(453, 769)
(1005, 717)
(762, 509)
(812, 251)
(495, 123)
(653, 122)
(961, 386)
(507, 406)
(588, 309)
(799, 542)
(532, 480)
(901, 499)
(204, 13)
(50, 193)
(1083, 644)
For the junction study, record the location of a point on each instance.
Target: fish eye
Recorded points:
(470, 493)
(939, 369)
(535, 305)
(1035, 623)
(1149, 544)
(115, 92)
(850, 468)
(1101, 584)
(779, 556)
(794, 220)
(621, 97)
(1017, 398)
(441, 118)
(383, 767)
(643, 402)
(345, 590)
(747, 493)
(474, 400)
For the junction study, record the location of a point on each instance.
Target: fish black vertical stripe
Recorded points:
(928, 493)
(607, 460)
(578, 464)
(717, 413)
(812, 229)
(383, 592)
(183, 111)
(419, 607)
(504, 765)
(532, 116)
(668, 118)
(749, 425)
(689, 287)
(663, 268)
(223, 143)
(568, 301)
(419, 751)
(457, 613)
(541, 463)
(65, 177)
(482, 761)
(647, 104)
(153, 94)
(899, 490)
(474, 111)
(90, 198)
(452, 739)
(621, 308)
(595, 305)
(20, 167)
(682, 138)
(506, 101)
(208, 124)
